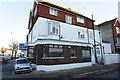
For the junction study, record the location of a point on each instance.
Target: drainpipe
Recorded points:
(87, 31)
(59, 32)
(101, 46)
(94, 39)
(114, 37)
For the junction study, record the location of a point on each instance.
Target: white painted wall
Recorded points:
(119, 11)
(62, 66)
(111, 58)
(107, 48)
(69, 32)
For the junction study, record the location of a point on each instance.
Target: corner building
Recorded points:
(58, 35)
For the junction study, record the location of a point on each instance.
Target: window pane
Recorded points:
(85, 53)
(55, 52)
(51, 11)
(66, 18)
(73, 54)
(56, 31)
(56, 12)
(53, 30)
(78, 34)
(70, 20)
(35, 11)
(49, 27)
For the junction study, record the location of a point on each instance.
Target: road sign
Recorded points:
(23, 46)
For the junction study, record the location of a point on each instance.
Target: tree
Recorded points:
(14, 47)
(3, 50)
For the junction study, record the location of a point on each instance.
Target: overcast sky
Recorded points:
(14, 15)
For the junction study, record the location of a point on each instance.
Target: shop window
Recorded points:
(53, 51)
(85, 53)
(90, 34)
(73, 53)
(68, 19)
(80, 19)
(53, 11)
(31, 51)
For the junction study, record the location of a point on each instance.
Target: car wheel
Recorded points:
(15, 72)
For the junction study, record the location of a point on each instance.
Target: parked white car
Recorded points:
(22, 65)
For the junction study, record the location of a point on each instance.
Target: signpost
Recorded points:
(23, 47)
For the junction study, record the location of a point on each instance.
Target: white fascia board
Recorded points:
(31, 44)
(62, 43)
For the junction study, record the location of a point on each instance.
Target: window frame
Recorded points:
(53, 11)
(51, 25)
(55, 47)
(81, 35)
(86, 56)
(35, 11)
(80, 19)
(117, 30)
(73, 48)
(68, 19)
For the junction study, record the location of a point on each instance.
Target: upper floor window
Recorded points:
(53, 27)
(91, 34)
(81, 34)
(35, 12)
(80, 19)
(68, 19)
(53, 11)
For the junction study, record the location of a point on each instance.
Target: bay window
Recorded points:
(53, 27)
(53, 51)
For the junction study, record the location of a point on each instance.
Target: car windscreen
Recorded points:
(22, 61)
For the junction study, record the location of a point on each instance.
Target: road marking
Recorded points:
(95, 72)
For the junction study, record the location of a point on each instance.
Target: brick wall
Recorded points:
(65, 60)
(43, 11)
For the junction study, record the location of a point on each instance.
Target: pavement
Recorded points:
(68, 74)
